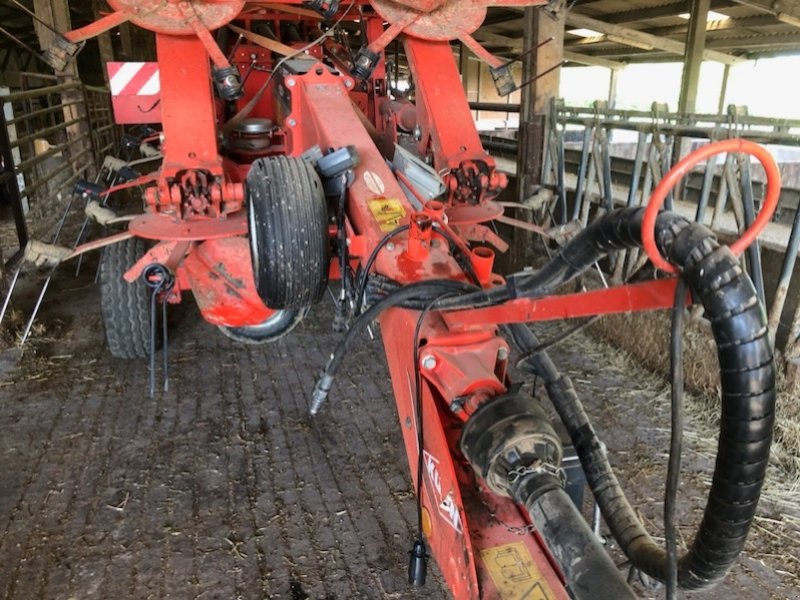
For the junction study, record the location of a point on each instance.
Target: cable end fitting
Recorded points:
(418, 564)
(364, 64)
(321, 391)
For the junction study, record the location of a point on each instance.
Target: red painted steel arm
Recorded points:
(651, 295)
(103, 24)
(442, 108)
(190, 136)
(447, 126)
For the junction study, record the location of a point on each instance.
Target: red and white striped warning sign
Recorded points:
(133, 78)
(135, 89)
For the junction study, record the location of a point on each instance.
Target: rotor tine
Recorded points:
(84, 227)
(165, 344)
(10, 291)
(152, 357)
(78, 241)
(36, 307)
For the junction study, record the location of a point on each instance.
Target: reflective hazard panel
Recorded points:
(387, 213)
(135, 92)
(514, 573)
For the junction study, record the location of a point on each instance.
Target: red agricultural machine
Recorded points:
(290, 161)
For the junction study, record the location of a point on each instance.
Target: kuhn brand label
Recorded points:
(448, 508)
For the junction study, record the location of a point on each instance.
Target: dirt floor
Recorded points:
(224, 487)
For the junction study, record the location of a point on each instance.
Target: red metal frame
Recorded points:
(448, 129)
(195, 212)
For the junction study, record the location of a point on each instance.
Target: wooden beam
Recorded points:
(789, 41)
(515, 45)
(502, 41)
(6, 60)
(638, 38)
(639, 15)
(786, 12)
(594, 61)
(26, 63)
(720, 25)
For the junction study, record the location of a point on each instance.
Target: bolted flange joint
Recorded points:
(511, 444)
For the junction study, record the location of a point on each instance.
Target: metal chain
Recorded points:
(514, 475)
(530, 528)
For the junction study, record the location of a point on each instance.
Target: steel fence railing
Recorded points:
(52, 134)
(589, 173)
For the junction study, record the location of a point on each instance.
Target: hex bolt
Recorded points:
(502, 353)
(290, 82)
(457, 404)
(429, 362)
(390, 246)
(292, 122)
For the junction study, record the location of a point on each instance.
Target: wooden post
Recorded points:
(56, 14)
(723, 89)
(690, 79)
(535, 104)
(104, 39)
(126, 40)
(613, 84)
(693, 59)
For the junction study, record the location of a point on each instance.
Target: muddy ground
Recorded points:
(224, 487)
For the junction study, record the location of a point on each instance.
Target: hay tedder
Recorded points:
(289, 161)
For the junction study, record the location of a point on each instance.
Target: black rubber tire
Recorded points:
(288, 225)
(125, 307)
(274, 328)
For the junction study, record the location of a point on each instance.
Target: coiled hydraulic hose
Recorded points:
(739, 327)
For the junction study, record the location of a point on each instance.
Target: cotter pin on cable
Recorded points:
(161, 281)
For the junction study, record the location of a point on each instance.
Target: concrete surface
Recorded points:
(223, 487)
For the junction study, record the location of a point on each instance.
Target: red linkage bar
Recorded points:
(627, 298)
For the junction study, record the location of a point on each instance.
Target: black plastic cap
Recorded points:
(364, 63)
(418, 564)
(228, 83)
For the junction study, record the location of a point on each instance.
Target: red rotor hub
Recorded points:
(170, 17)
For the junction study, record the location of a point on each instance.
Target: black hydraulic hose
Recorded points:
(362, 280)
(739, 327)
(423, 290)
(617, 230)
(461, 258)
(676, 439)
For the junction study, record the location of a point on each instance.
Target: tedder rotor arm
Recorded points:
(484, 459)
(457, 408)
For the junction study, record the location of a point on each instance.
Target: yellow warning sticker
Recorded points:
(387, 213)
(514, 573)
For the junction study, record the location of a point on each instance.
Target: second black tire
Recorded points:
(288, 227)
(125, 307)
(279, 324)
